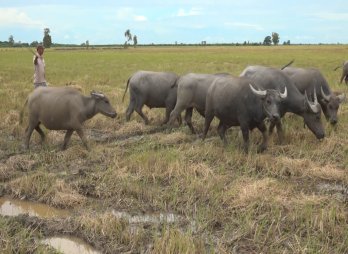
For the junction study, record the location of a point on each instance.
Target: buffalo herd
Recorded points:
(258, 93)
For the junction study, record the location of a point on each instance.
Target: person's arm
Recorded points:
(35, 59)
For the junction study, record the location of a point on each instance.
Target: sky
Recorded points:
(180, 21)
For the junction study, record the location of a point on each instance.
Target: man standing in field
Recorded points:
(39, 62)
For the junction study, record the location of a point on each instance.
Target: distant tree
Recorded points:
(267, 41)
(275, 38)
(11, 41)
(47, 40)
(128, 36)
(34, 44)
(135, 40)
(87, 44)
(288, 42)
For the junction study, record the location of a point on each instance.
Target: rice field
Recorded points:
(197, 196)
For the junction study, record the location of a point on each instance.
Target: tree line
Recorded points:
(47, 41)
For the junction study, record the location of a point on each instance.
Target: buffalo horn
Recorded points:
(314, 106)
(257, 92)
(285, 94)
(326, 97)
(97, 94)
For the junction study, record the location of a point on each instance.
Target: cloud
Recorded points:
(126, 14)
(192, 12)
(244, 25)
(13, 16)
(333, 16)
(139, 18)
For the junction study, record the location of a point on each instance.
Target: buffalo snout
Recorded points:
(320, 135)
(275, 117)
(113, 115)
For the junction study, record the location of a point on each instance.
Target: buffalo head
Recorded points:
(271, 100)
(330, 104)
(102, 105)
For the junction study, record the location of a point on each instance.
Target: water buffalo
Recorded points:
(235, 102)
(63, 108)
(192, 90)
(344, 72)
(310, 79)
(296, 102)
(153, 89)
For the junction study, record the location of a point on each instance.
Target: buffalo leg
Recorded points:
(67, 138)
(222, 132)
(166, 118)
(139, 110)
(188, 119)
(245, 132)
(342, 77)
(33, 123)
(179, 119)
(280, 132)
(263, 146)
(42, 134)
(208, 119)
(28, 133)
(176, 114)
(271, 127)
(130, 109)
(82, 137)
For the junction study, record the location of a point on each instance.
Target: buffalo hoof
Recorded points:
(261, 148)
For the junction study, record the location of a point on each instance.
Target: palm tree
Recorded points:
(128, 36)
(135, 40)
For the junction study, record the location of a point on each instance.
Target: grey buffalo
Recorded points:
(344, 72)
(309, 80)
(192, 90)
(63, 108)
(235, 102)
(296, 102)
(153, 89)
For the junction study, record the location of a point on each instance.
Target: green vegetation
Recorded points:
(228, 202)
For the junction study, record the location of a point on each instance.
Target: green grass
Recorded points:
(238, 203)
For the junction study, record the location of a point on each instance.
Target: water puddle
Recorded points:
(161, 218)
(146, 218)
(336, 190)
(70, 245)
(13, 207)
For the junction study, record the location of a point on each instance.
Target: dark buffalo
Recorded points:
(344, 72)
(235, 102)
(309, 80)
(63, 108)
(153, 89)
(192, 90)
(296, 102)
